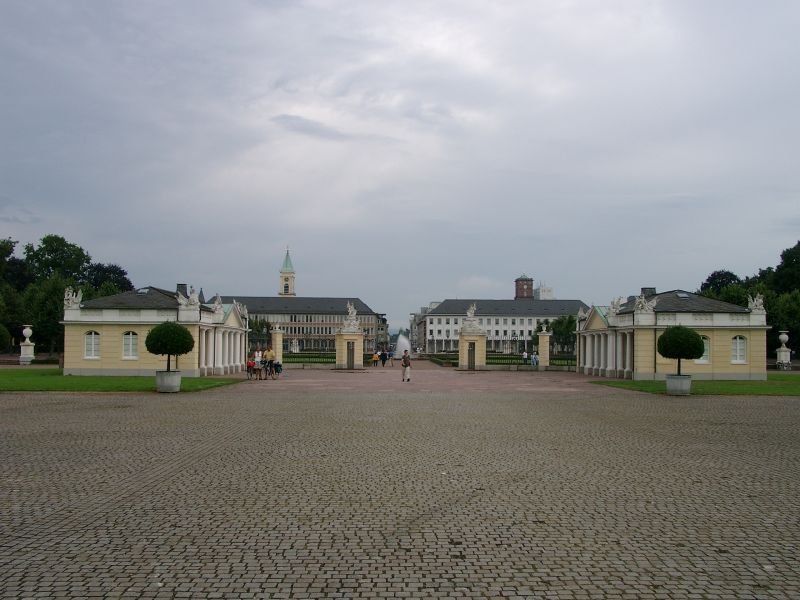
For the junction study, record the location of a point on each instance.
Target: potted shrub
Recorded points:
(680, 342)
(169, 338)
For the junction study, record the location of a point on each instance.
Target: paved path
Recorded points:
(356, 485)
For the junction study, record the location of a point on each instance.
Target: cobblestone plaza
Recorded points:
(356, 485)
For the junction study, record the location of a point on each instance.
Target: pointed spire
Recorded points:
(287, 263)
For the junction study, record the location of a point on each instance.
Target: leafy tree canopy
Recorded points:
(718, 280)
(680, 342)
(5, 338)
(787, 274)
(43, 307)
(169, 338)
(55, 255)
(564, 331)
(98, 274)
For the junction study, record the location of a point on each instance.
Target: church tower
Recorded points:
(523, 287)
(286, 285)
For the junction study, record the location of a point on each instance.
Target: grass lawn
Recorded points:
(777, 384)
(51, 380)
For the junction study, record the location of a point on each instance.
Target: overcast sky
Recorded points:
(405, 151)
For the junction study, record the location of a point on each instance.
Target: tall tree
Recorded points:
(717, 281)
(44, 309)
(56, 256)
(564, 332)
(97, 274)
(787, 274)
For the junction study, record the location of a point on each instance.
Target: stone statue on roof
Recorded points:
(756, 303)
(351, 323)
(471, 311)
(72, 299)
(615, 306)
(194, 297)
(644, 305)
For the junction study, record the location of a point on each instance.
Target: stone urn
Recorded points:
(168, 381)
(679, 385)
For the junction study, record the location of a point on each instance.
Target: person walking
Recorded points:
(524, 357)
(375, 358)
(270, 363)
(391, 358)
(406, 364)
(384, 357)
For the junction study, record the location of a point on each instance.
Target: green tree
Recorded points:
(5, 339)
(680, 342)
(787, 274)
(97, 274)
(6, 251)
(55, 255)
(43, 304)
(717, 281)
(169, 338)
(564, 332)
(784, 314)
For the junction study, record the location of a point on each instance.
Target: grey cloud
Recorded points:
(309, 127)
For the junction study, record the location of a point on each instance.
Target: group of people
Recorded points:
(383, 356)
(388, 355)
(534, 358)
(262, 365)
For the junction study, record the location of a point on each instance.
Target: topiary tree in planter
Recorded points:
(169, 338)
(682, 343)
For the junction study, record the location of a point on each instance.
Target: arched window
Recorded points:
(706, 358)
(285, 288)
(130, 345)
(739, 349)
(91, 344)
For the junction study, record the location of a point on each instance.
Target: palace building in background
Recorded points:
(621, 340)
(310, 323)
(510, 325)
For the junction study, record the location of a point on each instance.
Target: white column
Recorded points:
(201, 352)
(611, 366)
(588, 341)
(601, 366)
(218, 368)
(618, 361)
(226, 343)
(629, 355)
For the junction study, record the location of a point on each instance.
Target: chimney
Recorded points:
(648, 291)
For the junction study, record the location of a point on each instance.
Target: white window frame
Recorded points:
(91, 345)
(739, 350)
(130, 352)
(706, 358)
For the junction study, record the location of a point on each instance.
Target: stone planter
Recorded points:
(679, 385)
(168, 381)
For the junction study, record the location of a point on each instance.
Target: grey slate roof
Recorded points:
(147, 297)
(279, 305)
(669, 302)
(526, 307)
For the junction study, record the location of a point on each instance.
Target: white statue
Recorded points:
(351, 322)
(615, 306)
(72, 299)
(471, 311)
(218, 308)
(194, 297)
(643, 305)
(756, 303)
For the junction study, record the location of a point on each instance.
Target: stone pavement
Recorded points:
(356, 485)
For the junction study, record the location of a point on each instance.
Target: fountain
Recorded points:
(401, 345)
